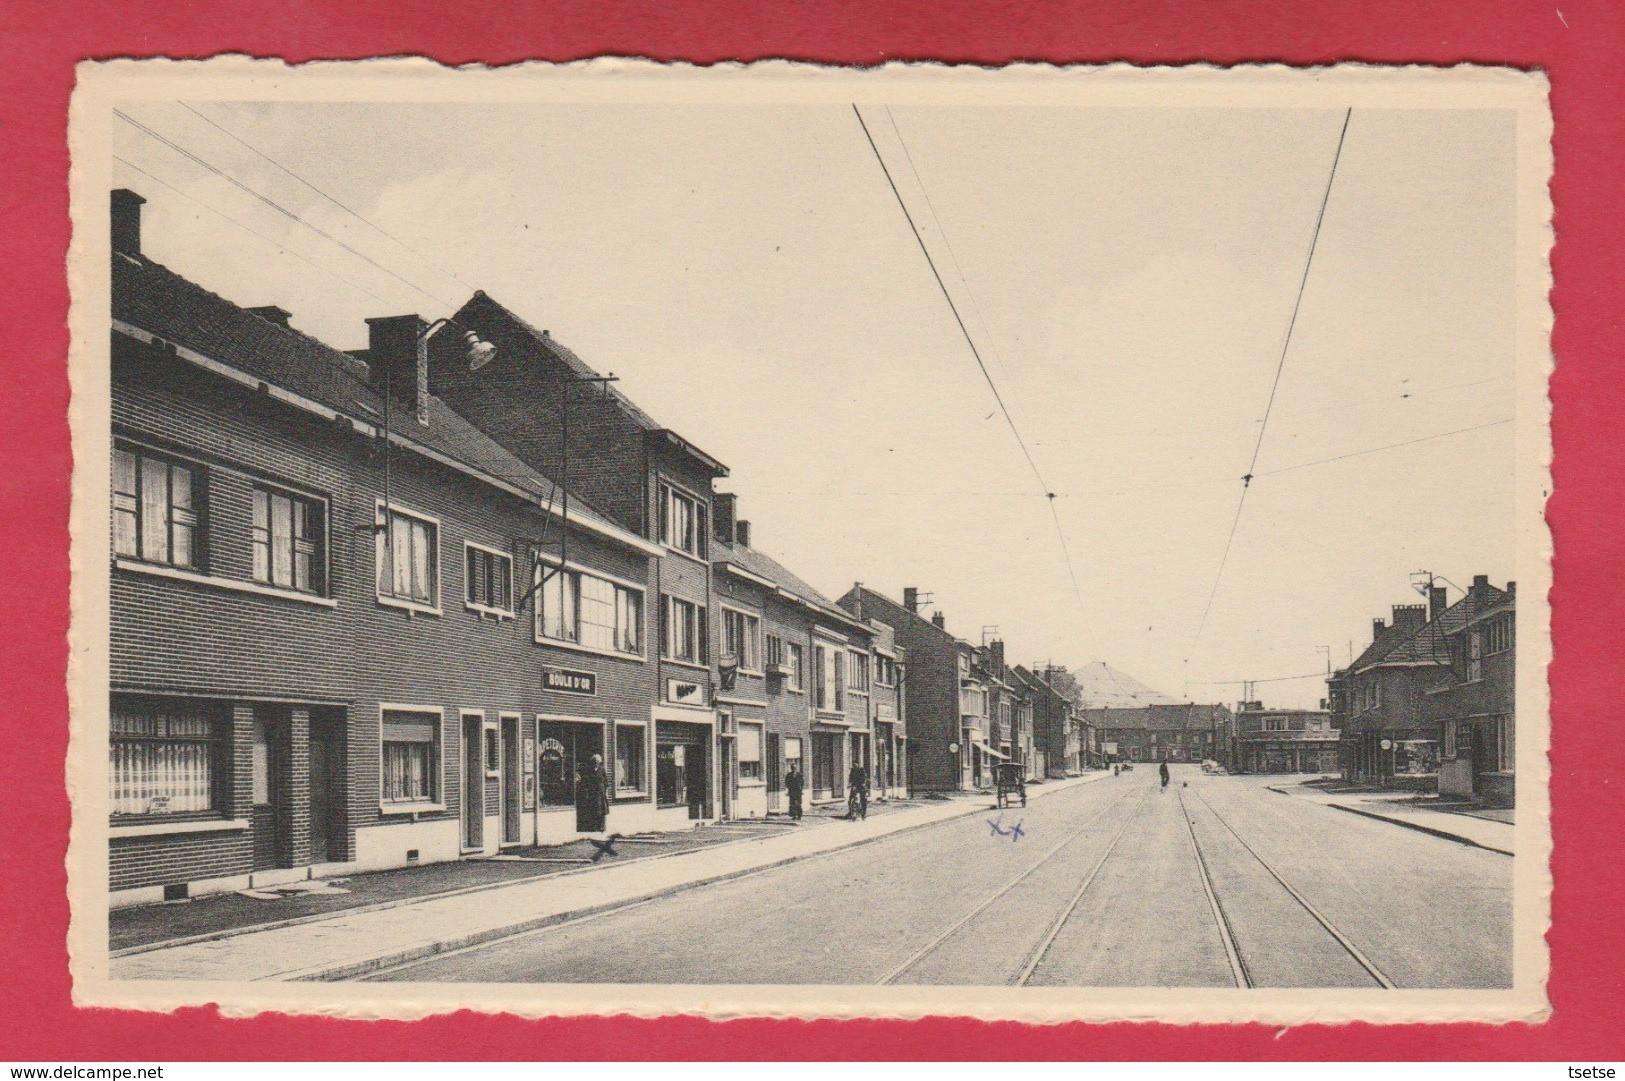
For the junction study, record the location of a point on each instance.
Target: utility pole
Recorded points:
(562, 482)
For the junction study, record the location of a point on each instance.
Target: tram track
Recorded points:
(942, 937)
(1236, 955)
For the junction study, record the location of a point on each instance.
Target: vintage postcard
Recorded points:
(1035, 543)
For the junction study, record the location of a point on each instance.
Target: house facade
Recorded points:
(1185, 732)
(1475, 705)
(324, 654)
(1282, 740)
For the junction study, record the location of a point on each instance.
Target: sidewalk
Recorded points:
(1401, 809)
(361, 940)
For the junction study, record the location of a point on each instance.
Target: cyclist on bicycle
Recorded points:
(857, 789)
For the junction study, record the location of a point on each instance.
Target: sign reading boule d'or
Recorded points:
(569, 681)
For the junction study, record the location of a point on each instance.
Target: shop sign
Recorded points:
(569, 681)
(685, 692)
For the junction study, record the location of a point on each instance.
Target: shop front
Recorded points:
(828, 766)
(564, 752)
(683, 767)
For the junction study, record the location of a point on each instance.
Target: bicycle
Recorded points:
(857, 804)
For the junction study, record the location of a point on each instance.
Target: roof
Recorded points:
(1427, 645)
(1175, 717)
(764, 566)
(482, 307)
(155, 299)
(864, 593)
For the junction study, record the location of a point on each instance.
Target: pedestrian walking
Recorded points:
(592, 798)
(1163, 771)
(793, 785)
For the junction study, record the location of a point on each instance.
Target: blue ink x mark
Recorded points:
(1015, 833)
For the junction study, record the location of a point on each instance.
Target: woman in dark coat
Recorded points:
(592, 798)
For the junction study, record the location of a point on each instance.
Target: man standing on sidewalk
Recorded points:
(793, 787)
(592, 798)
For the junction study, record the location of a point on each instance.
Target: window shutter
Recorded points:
(411, 728)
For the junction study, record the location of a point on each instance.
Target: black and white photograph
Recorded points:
(1024, 543)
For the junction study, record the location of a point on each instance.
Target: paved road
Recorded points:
(1213, 882)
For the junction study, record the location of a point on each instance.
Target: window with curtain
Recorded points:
(682, 521)
(750, 751)
(587, 610)
(408, 558)
(156, 505)
(741, 636)
(164, 757)
(411, 757)
(287, 535)
(683, 630)
(630, 740)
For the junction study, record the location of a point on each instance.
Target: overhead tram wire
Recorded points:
(274, 205)
(1049, 493)
(251, 232)
(348, 210)
(1275, 384)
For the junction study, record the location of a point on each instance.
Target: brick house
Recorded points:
(1282, 740)
(320, 658)
(943, 691)
(1056, 732)
(1379, 702)
(546, 406)
(1184, 732)
(1475, 705)
(801, 680)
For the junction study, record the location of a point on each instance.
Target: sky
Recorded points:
(1127, 274)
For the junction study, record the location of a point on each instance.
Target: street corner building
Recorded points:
(357, 620)
(1430, 704)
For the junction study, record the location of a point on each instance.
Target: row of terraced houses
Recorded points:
(378, 608)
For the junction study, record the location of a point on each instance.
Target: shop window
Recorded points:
(156, 508)
(487, 579)
(407, 553)
(750, 751)
(411, 757)
(164, 757)
(671, 774)
(630, 749)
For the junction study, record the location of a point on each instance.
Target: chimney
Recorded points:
(997, 647)
(127, 221)
(1377, 627)
(911, 599)
(394, 351)
(1480, 580)
(1410, 617)
(724, 505)
(742, 534)
(1436, 602)
(857, 599)
(273, 314)
(939, 621)
(1512, 588)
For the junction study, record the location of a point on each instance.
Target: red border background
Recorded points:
(1576, 42)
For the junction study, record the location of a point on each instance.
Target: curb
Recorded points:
(349, 970)
(1445, 834)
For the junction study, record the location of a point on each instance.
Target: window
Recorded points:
(629, 758)
(164, 758)
(830, 688)
(1498, 635)
(1505, 748)
(287, 537)
(857, 671)
(487, 579)
(682, 521)
(1475, 656)
(795, 658)
(156, 505)
(411, 757)
(742, 637)
(590, 611)
(750, 751)
(682, 630)
(408, 558)
(493, 751)
(885, 670)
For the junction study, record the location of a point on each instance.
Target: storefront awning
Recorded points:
(989, 750)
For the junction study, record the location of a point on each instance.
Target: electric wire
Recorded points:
(1275, 384)
(1049, 493)
(274, 205)
(347, 209)
(252, 232)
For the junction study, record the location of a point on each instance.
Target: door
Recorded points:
(775, 773)
(270, 782)
(697, 769)
(473, 783)
(510, 781)
(327, 826)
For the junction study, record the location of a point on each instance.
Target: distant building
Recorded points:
(1186, 732)
(1283, 740)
